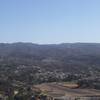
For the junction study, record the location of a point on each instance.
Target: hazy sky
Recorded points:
(49, 21)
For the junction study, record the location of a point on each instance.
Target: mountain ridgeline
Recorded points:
(67, 57)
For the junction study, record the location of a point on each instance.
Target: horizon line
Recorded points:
(50, 43)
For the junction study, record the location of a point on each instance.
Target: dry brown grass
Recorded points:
(65, 89)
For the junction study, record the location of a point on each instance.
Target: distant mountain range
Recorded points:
(68, 57)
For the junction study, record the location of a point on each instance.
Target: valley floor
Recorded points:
(62, 91)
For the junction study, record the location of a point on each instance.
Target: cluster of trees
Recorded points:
(85, 83)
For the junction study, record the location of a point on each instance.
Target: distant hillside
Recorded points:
(69, 57)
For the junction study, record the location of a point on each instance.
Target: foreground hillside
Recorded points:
(23, 65)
